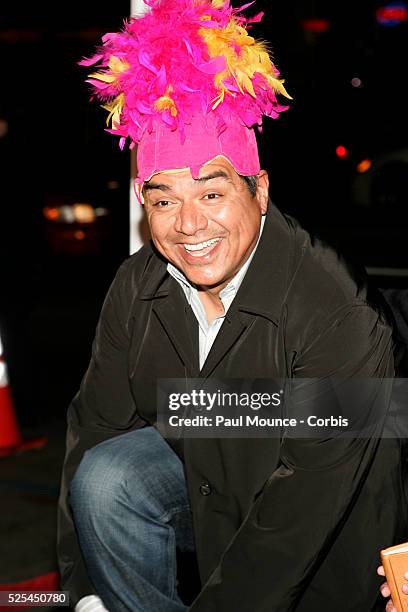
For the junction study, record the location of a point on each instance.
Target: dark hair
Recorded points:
(252, 184)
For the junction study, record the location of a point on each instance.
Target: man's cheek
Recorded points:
(160, 246)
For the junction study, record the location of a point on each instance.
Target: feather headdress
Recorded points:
(180, 59)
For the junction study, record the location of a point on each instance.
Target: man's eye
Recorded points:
(161, 203)
(212, 196)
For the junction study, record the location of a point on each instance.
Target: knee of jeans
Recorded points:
(98, 480)
(128, 470)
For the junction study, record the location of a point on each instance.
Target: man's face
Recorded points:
(205, 227)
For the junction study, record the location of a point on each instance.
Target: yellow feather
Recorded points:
(100, 76)
(244, 57)
(115, 109)
(247, 83)
(217, 101)
(166, 103)
(116, 66)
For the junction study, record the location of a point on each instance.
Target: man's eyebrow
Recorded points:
(213, 175)
(202, 179)
(161, 186)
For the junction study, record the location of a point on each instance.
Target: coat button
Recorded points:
(205, 489)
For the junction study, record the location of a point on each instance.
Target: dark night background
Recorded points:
(54, 151)
(337, 160)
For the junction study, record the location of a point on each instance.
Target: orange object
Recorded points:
(395, 563)
(11, 441)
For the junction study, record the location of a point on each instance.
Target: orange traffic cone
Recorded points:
(11, 441)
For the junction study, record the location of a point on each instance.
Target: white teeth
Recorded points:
(201, 245)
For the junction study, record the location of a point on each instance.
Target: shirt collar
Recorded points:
(234, 283)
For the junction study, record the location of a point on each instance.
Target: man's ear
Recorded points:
(262, 191)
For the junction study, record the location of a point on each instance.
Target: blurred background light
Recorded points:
(356, 82)
(364, 165)
(342, 152)
(3, 127)
(316, 25)
(3, 373)
(71, 224)
(392, 14)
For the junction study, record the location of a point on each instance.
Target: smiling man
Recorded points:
(228, 288)
(207, 227)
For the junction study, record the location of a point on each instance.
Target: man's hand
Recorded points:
(385, 591)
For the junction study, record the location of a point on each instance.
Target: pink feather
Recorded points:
(163, 54)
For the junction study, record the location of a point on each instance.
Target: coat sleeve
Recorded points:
(291, 525)
(103, 408)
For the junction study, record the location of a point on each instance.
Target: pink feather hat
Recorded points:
(186, 83)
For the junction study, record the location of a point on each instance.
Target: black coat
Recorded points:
(289, 524)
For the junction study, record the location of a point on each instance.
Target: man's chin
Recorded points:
(202, 278)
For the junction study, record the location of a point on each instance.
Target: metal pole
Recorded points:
(138, 228)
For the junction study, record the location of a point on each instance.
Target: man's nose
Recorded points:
(190, 219)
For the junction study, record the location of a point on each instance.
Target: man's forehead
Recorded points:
(215, 168)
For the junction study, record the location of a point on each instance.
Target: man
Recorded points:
(229, 288)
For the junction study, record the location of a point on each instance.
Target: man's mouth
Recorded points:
(201, 248)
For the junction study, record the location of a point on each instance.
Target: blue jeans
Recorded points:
(131, 512)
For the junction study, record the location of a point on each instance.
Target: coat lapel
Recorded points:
(171, 308)
(230, 332)
(179, 323)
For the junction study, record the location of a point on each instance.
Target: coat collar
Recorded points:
(263, 289)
